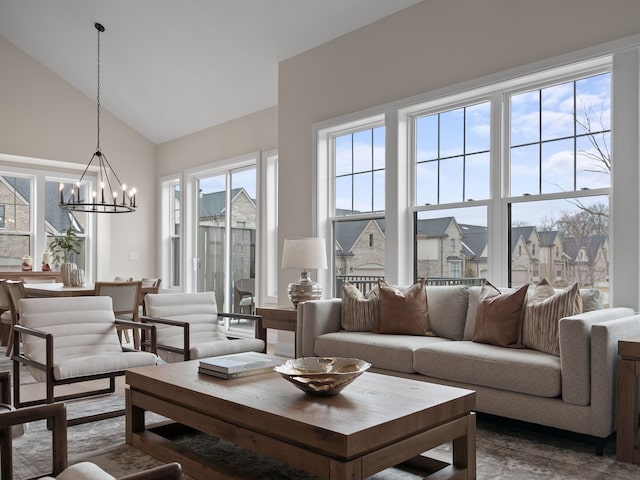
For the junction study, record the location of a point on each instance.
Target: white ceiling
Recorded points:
(174, 67)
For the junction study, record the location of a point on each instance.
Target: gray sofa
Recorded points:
(574, 392)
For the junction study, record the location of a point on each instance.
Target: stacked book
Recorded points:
(238, 364)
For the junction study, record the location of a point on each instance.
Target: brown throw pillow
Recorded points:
(499, 317)
(359, 313)
(403, 313)
(543, 313)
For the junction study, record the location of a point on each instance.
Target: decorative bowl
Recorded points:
(322, 376)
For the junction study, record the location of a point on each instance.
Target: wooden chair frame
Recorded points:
(150, 344)
(185, 351)
(56, 415)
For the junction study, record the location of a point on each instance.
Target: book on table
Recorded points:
(238, 364)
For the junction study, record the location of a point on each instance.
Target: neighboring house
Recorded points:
(360, 248)
(212, 209)
(15, 208)
(446, 248)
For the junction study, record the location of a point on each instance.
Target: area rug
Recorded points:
(505, 450)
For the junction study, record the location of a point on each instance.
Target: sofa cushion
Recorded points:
(403, 312)
(391, 352)
(517, 370)
(592, 299)
(472, 311)
(542, 315)
(499, 316)
(448, 310)
(359, 313)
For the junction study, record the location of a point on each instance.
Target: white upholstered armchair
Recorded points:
(73, 339)
(187, 327)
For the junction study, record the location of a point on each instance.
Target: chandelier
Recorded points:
(112, 196)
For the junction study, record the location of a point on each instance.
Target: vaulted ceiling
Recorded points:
(174, 67)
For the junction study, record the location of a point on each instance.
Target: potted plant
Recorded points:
(63, 251)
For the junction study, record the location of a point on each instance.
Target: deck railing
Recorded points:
(364, 283)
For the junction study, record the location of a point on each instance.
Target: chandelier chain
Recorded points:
(98, 94)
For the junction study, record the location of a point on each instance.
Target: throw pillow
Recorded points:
(543, 313)
(499, 316)
(403, 313)
(359, 313)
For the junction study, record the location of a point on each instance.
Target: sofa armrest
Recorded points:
(575, 351)
(315, 318)
(604, 369)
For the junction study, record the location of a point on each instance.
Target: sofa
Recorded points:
(573, 391)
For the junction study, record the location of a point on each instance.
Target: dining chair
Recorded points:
(243, 297)
(51, 279)
(125, 296)
(149, 285)
(69, 340)
(15, 291)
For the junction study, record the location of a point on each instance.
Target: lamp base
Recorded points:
(304, 289)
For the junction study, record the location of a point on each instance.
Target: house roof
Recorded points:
(57, 218)
(347, 233)
(213, 204)
(434, 227)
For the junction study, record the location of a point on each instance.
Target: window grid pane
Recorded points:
(446, 144)
(359, 171)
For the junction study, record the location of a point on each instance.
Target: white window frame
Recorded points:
(41, 171)
(624, 57)
(267, 267)
(266, 164)
(165, 213)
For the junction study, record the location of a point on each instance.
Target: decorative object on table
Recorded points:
(238, 365)
(64, 248)
(46, 255)
(27, 263)
(322, 376)
(305, 253)
(77, 277)
(113, 196)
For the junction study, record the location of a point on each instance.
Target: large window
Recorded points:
(509, 181)
(559, 145)
(551, 172)
(358, 226)
(32, 217)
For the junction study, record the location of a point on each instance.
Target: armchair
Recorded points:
(55, 413)
(74, 339)
(187, 327)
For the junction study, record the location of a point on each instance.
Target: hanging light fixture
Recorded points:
(113, 196)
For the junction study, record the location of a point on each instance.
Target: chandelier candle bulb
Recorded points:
(61, 193)
(102, 191)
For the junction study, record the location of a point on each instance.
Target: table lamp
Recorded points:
(305, 253)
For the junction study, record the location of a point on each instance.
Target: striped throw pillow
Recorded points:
(542, 316)
(359, 313)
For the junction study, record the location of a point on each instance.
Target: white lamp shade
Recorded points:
(305, 253)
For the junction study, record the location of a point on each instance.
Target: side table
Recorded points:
(278, 318)
(627, 449)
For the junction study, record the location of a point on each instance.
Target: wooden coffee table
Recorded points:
(377, 422)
